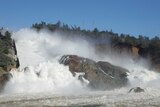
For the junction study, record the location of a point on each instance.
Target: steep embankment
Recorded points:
(153, 54)
(138, 47)
(118, 48)
(8, 57)
(150, 54)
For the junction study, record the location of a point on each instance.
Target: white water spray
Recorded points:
(39, 52)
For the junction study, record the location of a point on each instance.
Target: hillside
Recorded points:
(108, 40)
(8, 56)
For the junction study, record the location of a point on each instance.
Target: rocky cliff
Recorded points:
(152, 53)
(118, 48)
(8, 57)
(101, 75)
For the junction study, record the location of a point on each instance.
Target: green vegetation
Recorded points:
(6, 62)
(147, 47)
(5, 42)
(6, 59)
(141, 41)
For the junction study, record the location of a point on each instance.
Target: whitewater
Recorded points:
(42, 81)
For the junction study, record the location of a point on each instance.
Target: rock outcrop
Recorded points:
(118, 48)
(101, 75)
(136, 90)
(8, 57)
(4, 78)
(151, 53)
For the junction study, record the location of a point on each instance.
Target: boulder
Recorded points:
(101, 75)
(136, 90)
(4, 79)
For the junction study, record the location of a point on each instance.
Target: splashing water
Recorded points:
(41, 72)
(45, 77)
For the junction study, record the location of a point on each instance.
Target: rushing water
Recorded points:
(41, 80)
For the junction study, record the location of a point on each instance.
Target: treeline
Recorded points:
(115, 38)
(5, 42)
(147, 47)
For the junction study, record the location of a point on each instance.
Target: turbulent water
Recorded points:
(41, 80)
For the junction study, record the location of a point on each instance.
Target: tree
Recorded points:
(8, 34)
(95, 31)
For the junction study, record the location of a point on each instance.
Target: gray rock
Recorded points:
(136, 90)
(101, 75)
(4, 79)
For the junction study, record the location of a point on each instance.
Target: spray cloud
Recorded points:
(40, 51)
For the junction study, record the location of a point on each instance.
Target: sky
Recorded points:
(134, 17)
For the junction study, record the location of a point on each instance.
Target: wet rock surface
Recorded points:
(136, 90)
(101, 75)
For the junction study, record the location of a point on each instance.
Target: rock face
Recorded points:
(101, 75)
(118, 48)
(4, 79)
(153, 54)
(136, 90)
(8, 57)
